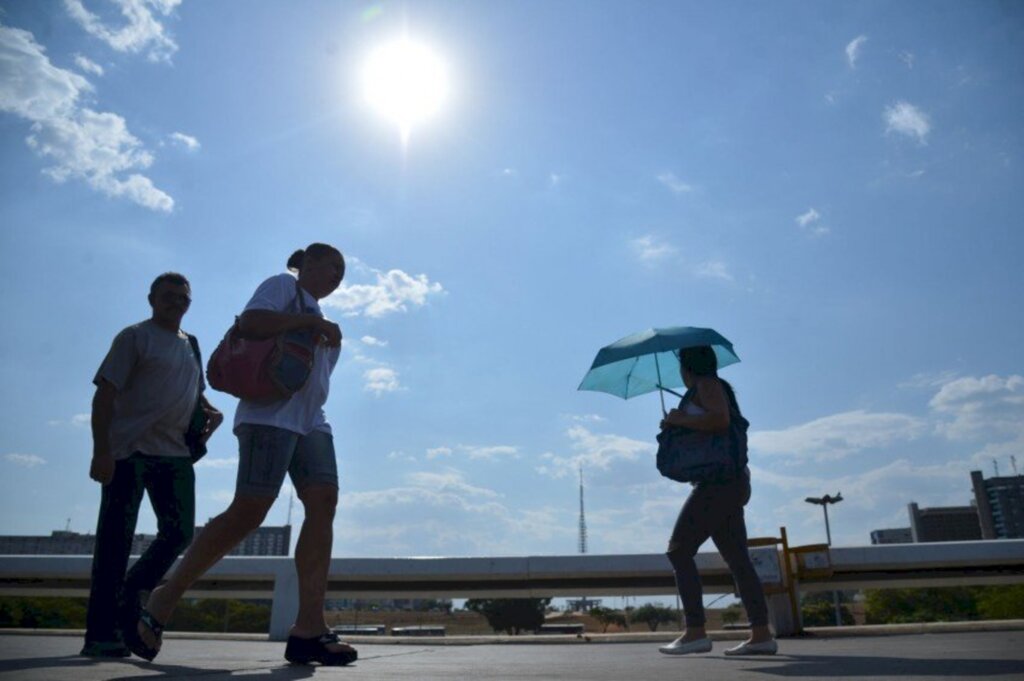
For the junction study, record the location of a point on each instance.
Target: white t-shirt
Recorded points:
(303, 412)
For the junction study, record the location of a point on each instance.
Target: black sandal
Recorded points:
(135, 642)
(308, 650)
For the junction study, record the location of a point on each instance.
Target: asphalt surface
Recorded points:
(972, 655)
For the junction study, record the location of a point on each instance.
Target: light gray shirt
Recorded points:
(158, 381)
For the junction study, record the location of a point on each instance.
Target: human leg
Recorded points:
(730, 537)
(264, 456)
(315, 475)
(170, 483)
(115, 528)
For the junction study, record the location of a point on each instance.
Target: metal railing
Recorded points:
(785, 571)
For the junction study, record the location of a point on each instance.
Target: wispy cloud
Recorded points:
(908, 59)
(853, 49)
(141, 32)
(651, 249)
(555, 179)
(77, 420)
(187, 141)
(906, 119)
(594, 451)
(25, 460)
(393, 291)
(810, 222)
(713, 269)
(674, 184)
(987, 408)
(373, 341)
(87, 65)
(839, 435)
(437, 452)
(81, 143)
(380, 380)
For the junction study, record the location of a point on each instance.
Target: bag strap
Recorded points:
(194, 342)
(300, 306)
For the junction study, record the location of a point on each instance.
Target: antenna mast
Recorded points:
(583, 520)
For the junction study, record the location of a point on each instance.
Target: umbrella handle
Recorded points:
(661, 391)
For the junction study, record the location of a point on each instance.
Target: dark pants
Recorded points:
(170, 482)
(716, 511)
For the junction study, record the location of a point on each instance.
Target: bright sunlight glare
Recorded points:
(406, 82)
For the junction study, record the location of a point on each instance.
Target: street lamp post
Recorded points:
(824, 503)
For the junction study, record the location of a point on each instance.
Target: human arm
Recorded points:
(710, 395)
(261, 324)
(102, 467)
(215, 418)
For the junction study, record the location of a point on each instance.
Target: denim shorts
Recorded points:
(266, 453)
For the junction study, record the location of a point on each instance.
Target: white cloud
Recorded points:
(187, 141)
(906, 119)
(372, 341)
(436, 452)
(451, 481)
(393, 292)
(908, 59)
(935, 379)
(490, 453)
(594, 451)
(380, 380)
(83, 144)
(88, 65)
(651, 249)
(713, 269)
(839, 435)
(26, 460)
(509, 172)
(990, 407)
(811, 222)
(554, 179)
(218, 463)
(142, 31)
(853, 50)
(586, 418)
(675, 185)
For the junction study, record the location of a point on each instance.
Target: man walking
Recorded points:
(146, 391)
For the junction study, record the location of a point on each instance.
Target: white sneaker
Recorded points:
(677, 647)
(769, 647)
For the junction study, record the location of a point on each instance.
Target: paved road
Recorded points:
(985, 655)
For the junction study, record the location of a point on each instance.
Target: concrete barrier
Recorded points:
(897, 565)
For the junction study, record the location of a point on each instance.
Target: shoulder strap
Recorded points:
(194, 342)
(300, 305)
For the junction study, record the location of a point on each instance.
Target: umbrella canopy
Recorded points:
(648, 361)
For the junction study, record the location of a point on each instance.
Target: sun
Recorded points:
(406, 82)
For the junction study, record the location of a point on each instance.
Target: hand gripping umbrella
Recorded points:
(649, 361)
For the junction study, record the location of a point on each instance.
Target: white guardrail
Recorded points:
(784, 571)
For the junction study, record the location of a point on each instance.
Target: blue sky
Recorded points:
(834, 187)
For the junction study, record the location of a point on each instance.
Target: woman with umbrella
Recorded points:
(715, 510)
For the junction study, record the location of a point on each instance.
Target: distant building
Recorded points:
(389, 604)
(944, 523)
(1000, 503)
(263, 541)
(897, 535)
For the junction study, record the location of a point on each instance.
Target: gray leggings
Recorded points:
(716, 511)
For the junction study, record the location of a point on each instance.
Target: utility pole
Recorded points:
(824, 503)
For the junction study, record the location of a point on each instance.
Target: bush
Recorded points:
(822, 614)
(511, 615)
(37, 612)
(1001, 602)
(606, 617)
(653, 615)
(897, 606)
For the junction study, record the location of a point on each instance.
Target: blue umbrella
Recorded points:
(649, 361)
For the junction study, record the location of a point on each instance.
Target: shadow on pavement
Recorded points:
(824, 666)
(67, 665)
